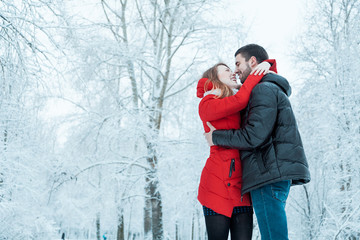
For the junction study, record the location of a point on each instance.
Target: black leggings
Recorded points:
(240, 226)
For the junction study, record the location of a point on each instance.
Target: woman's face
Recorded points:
(226, 76)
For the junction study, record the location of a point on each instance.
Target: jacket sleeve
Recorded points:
(211, 108)
(258, 126)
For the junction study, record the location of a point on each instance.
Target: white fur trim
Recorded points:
(216, 92)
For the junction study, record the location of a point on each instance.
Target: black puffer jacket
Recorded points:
(269, 140)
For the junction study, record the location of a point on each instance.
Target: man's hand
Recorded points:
(208, 135)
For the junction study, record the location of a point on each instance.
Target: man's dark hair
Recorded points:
(253, 50)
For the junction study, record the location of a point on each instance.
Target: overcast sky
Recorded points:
(273, 24)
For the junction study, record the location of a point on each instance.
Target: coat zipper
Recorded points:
(232, 167)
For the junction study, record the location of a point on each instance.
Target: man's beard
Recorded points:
(246, 73)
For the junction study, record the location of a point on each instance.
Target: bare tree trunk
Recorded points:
(192, 227)
(98, 229)
(307, 213)
(154, 198)
(156, 204)
(147, 209)
(120, 229)
(5, 139)
(177, 237)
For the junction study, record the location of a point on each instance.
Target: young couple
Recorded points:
(257, 120)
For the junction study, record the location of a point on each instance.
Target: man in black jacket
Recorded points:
(272, 153)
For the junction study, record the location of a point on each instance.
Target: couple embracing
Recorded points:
(256, 152)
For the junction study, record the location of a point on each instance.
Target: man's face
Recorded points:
(242, 68)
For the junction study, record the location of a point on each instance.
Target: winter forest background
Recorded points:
(99, 129)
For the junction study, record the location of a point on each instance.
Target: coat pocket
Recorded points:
(260, 162)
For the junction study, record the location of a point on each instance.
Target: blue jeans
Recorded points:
(269, 205)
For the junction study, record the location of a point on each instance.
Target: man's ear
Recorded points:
(253, 62)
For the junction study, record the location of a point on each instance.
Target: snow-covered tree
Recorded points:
(329, 114)
(25, 159)
(131, 66)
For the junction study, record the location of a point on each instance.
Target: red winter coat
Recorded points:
(221, 178)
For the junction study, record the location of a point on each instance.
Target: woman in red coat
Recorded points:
(220, 184)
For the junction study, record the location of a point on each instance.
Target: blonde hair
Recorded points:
(212, 75)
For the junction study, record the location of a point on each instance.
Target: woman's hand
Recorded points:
(262, 68)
